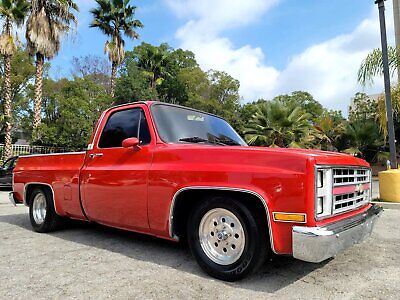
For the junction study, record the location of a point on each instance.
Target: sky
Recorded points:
(271, 46)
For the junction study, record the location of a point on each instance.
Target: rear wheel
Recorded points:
(226, 238)
(41, 211)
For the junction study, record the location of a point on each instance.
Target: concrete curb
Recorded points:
(388, 205)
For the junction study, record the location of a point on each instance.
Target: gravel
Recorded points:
(94, 262)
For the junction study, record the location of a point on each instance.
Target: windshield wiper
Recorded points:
(227, 142)
(196, 139)
(193, 139)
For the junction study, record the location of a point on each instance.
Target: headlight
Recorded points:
(323, 192)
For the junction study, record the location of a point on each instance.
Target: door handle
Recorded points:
(93, 155)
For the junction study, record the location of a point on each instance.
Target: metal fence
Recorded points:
(27, 149)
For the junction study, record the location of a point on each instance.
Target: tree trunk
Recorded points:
(113, 77)
(37, 107)
(7, 98)
(7, 107)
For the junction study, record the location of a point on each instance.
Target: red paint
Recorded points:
(133, 188)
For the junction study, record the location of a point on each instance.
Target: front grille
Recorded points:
(349, 201)
(351, 188)
(350, 176)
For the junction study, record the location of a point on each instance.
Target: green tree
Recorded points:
(214, 92)
(12, 12)
(70, 111)
(277, 124)
(329, 128)
(363, 108)
(115, 18)
(132, 85)
(97, 68)
(172, 89)
(304, 100)
(362, 139)
(47, 21)
(154, 62)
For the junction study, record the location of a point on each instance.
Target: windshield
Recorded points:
(181, 125)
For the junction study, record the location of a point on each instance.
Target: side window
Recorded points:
(122, 125)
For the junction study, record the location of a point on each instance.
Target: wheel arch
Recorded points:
(30, 187)
(187, 197)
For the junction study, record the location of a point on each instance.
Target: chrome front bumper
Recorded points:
(316, 244)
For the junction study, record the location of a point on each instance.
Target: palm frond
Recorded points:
(115, 18)
(372, 65)
(48, 21)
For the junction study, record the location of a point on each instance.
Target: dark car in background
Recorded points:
(6, 171)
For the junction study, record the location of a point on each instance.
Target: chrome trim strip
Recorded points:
(39, 183)
(172, 206)
(289, 213)
(53, 154)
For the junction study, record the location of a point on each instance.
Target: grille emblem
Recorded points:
(359, 188)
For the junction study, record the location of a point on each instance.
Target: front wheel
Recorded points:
(226, 238)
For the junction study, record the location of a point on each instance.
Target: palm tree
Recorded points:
(115, 18)
(372, 65)
(328, 130)
(48, 20)
(11, 12)
(154, 62)
(278, 125)
(363, 139)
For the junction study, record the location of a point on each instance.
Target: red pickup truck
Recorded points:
(178, 173)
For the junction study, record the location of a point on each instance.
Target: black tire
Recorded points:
(52, 221)
(256, 246)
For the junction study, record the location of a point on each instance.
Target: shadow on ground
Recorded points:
(277, 273)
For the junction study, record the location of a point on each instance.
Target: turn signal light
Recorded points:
(289, 217)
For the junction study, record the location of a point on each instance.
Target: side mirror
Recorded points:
(131, 143)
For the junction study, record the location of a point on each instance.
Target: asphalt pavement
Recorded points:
(86, 261)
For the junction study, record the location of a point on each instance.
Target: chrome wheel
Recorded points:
(221, 236)
(39, 208)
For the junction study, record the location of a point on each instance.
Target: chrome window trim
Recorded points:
(219, 188)
(39, 183)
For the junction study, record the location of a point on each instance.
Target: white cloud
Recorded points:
(328, 70)
(221, 14)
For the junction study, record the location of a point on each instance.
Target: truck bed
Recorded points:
(60, 172)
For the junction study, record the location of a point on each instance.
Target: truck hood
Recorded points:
(286, 158)
(319, 156)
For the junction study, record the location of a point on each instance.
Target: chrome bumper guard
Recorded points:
(11, 198)
(316, 244)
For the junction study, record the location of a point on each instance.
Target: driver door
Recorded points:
(114, 179)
